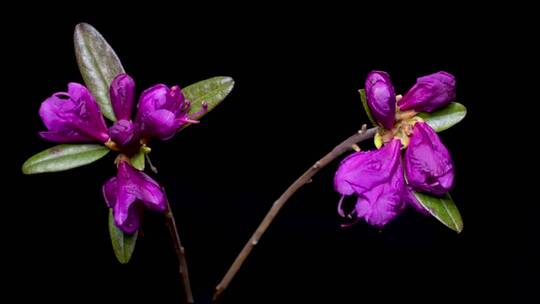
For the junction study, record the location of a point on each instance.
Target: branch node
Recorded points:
(363, 129)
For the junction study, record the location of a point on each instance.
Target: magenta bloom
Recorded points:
(128, 192)
(428, 164)
(381, 98)
(376, 177)
(73, 117)
(381, 182)
(430, 93)
(162, 112)
(122, 93)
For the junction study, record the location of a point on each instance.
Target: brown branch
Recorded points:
(175, 238)
(180, 252)
(302, 180)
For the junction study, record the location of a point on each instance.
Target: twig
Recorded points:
(343, 147)
(180, 252)
(178, 248)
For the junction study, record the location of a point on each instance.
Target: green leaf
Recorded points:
(446, 117)
(123, 244)
(366, 107)
(442, 208)
(63, 157)
(212, 90)
(137, 160)
(98, 64)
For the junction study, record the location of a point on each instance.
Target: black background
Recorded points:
(297, 73)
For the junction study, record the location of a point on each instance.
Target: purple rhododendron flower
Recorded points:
(73, 117)
(428, 164)
(376, 177)
(381, 98)
(122, 93)
(162, 112)
(128, 192)
(430, 93)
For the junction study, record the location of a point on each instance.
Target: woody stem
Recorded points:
(177, 243)
(305, 178)
(180, 252)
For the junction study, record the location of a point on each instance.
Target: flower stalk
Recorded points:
(179, 250)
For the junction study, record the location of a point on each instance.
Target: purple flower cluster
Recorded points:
(75, 117)
(383, 180)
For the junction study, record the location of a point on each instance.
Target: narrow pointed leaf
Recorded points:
(137, 160)
(446, 117)
(64, 157)
(123, 244)
(212, 91)
(366, 107)
(98, 64)
(442, 208)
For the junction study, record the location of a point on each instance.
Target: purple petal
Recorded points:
(428, 164)
(151, 100)
(162, 111)
(63, 137)
(110, 192)
(128, 220)
(128, 192)
(143, 187)
(73, 117)
(381, 98)
(365, 170)
(175, 101)
(122, 92)
(430, 93)
(126, 213)
(161, 124)
(411, 200)
(124, 132)
(377, 178)
(381, 204)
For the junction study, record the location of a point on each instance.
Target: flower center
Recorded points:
(401, 130)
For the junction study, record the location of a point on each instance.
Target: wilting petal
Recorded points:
(141, 186)
(430, 93)
(366, 169)
(73, 117)
(428, 164)
(124, 132)
(110, 191)
(381, 98)
(122, 92)
(129, 221)
(381, 204)
(128, 192)
(377, 178)
(126, 211)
